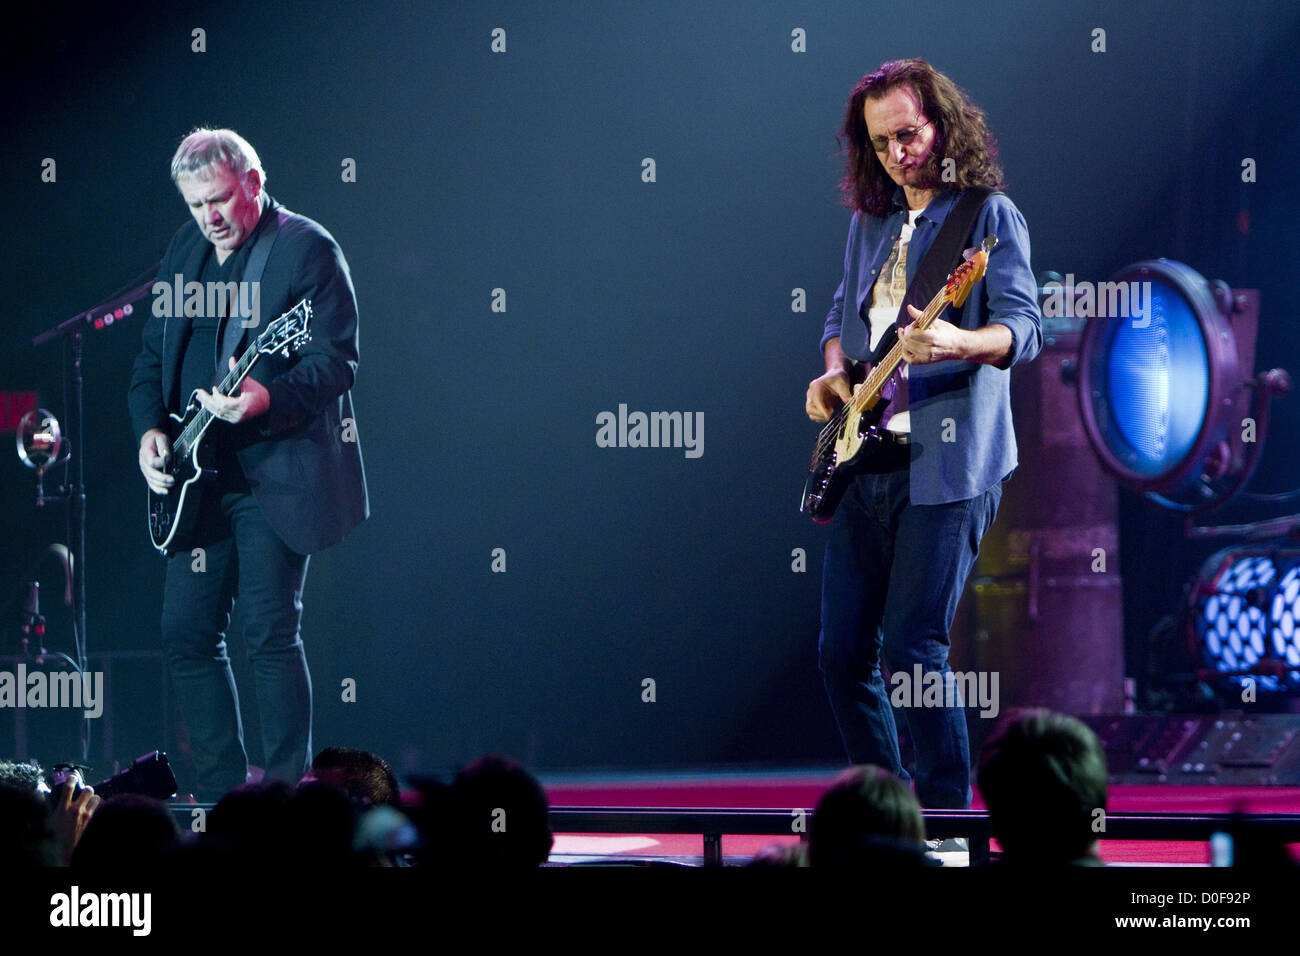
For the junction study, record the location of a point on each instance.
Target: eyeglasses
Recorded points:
(905, 138)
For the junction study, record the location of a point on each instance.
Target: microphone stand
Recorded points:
(74, 492)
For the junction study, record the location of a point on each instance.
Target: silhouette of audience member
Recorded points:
(69, 806)
(272, 824)
(250, 823)
(868, 818)
(428, 807)
(23, 776)
(127, 830)
(26, 837)
(1043, 777)
(498, 817)
(366, 778)
(321, 822)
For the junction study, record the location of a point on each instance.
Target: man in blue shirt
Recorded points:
(908, 530)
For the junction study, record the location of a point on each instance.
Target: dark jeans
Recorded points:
(893, 575)
(243, 556)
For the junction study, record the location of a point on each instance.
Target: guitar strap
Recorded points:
(943, 256)
(232, 333)
(940, 260)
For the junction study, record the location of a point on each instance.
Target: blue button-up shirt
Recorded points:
(963, 441)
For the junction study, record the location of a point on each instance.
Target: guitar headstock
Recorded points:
(969, 272)
(289, 332)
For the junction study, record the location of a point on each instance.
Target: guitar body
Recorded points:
(173, 516)
(847, 441)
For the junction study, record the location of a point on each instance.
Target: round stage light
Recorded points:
(1244, 615)
(1159, 374)
(39, 439)
(1285, 616)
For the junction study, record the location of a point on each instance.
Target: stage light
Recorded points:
(38, 439)
(1244, 609)
(1285, 615)
(1165, 368)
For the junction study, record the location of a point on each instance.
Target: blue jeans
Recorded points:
(242, 556)
(893, 575)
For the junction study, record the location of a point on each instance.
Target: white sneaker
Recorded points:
(954, 851)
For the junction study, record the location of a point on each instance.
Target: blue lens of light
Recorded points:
(1158, 378)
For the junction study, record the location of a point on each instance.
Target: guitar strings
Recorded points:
(194, 430)
(875, 382)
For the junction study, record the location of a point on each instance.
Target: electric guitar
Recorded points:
(172, 516)
(852, 434)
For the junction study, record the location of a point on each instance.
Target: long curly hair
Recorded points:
(960, 135)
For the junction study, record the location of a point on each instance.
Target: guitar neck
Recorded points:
(199, 424)
(881, 373)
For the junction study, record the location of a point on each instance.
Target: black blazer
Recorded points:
(302, 458)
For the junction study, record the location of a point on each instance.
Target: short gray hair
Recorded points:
(204, 147)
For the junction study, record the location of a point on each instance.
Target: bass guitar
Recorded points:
(852, 434)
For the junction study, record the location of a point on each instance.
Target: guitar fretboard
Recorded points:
(288, 332)
(190, 435)
(865, 397)
(880, 375)
(869, 393)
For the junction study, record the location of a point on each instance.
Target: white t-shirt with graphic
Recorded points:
(886, 299)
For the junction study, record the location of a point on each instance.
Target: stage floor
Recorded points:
(801, 789)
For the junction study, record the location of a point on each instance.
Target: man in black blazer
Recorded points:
(288, 460)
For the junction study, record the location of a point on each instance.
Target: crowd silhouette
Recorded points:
(1042, 776)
